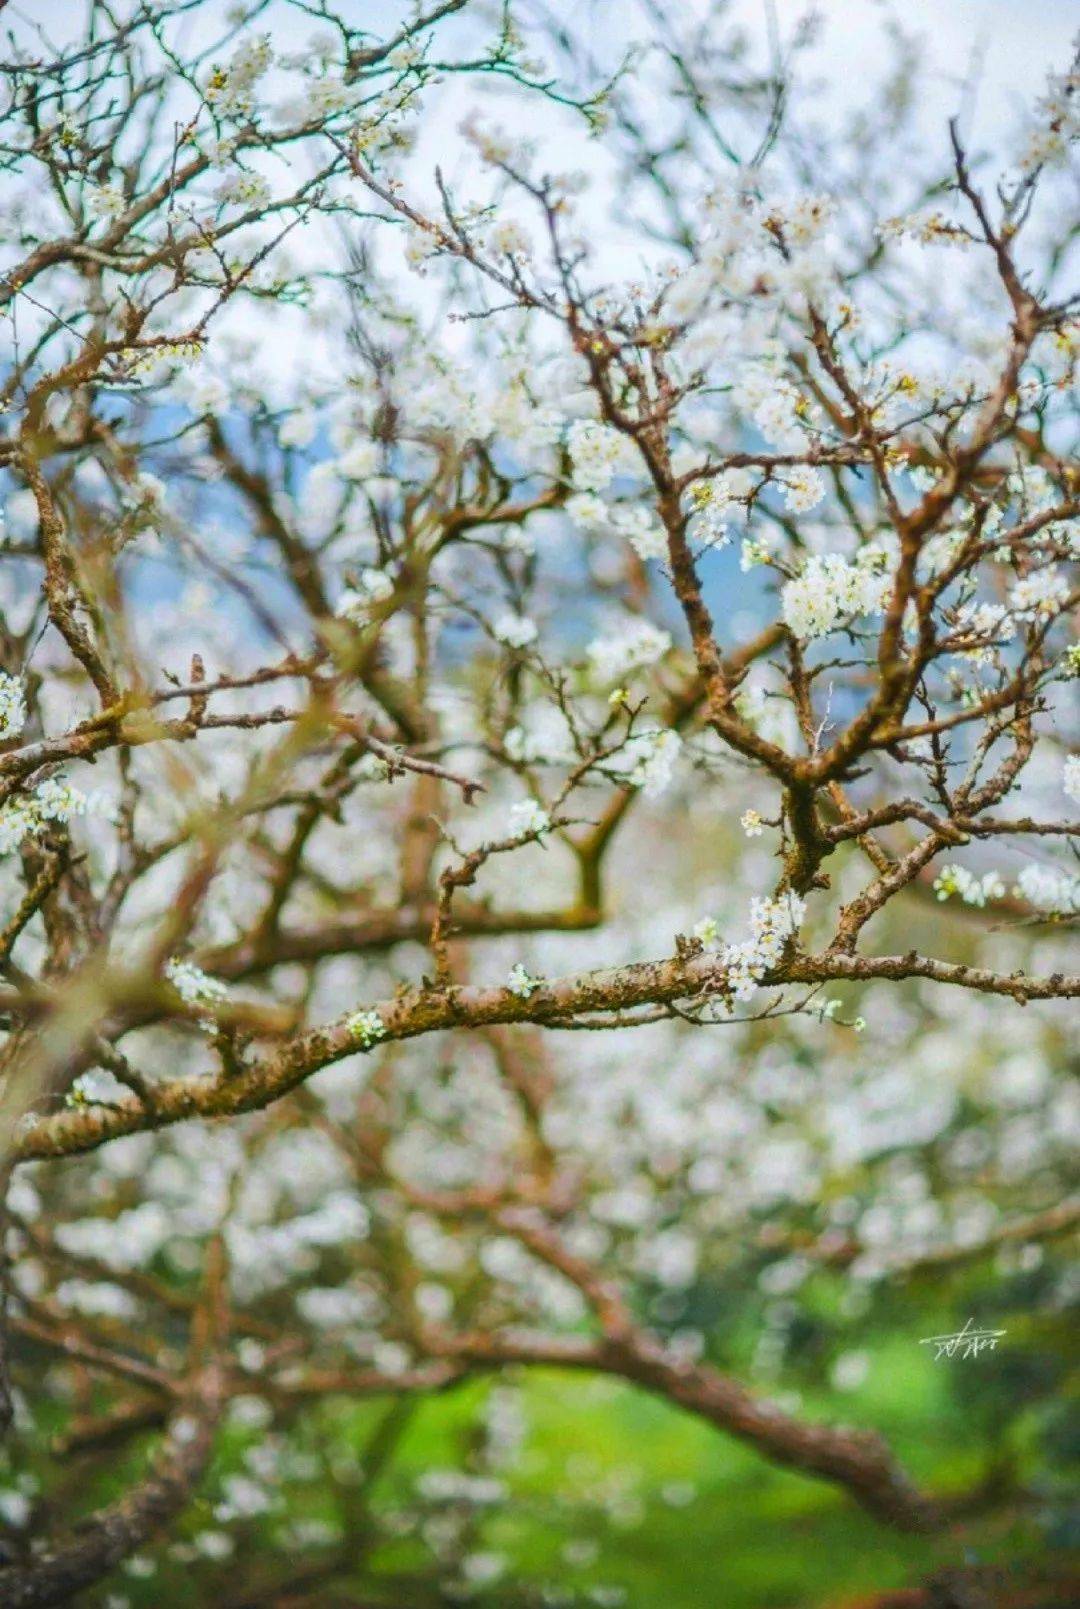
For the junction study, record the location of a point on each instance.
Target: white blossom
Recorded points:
(987, 621)
(529, 816)
(229, 89)
(1043, 592)
(637, 522)
(772, 923)
(633, 646)
(544, 735)
(12, 706)
(481, 1569)
(54, 800)
(298, 428)
(780, 412)
(1048, 889)
(641, 528)
(1070, 777)
(647, 760)
(972, 890)
(367, 1027)
(597, 453)
(516, 631)
(193, 985)
(519, 981)
(588, 511)
(831, 589)
(105, 200)
(804, 488)
(507, 237)
(202, 393)
(244, 189)
(359, 461)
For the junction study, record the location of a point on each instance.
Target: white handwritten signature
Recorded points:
(966, 1343)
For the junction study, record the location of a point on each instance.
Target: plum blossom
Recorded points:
(359, 461)
(804, 488)
(298, 428)
(642, 530)
(1043, 592)
(516, 631)
(1051, 890)
(55, 800)
(229, 89)
(12, 706)
(779, 410)
(194, 986)
(367, 1027)
(1070, 777)
(637, 522)
(986, 621)
(520, 982)
(647, 760)
(202, 393)
(244, 189)
(105, 200)
(542, 736)
(773, 922)
(528, 817)
(972, 890)
(832, 589)
(633, 646)
(597, 452)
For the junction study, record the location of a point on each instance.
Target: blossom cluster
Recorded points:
(54, 800)
(636, 522)
(647, 760)
(194, 986)
(597, 453)
(774, 922)
(1050, 889)
(625, 648)
(367, 1027)
(529, 819)
(12, 706)
(832, 589)
(520, 982)
(967, 886)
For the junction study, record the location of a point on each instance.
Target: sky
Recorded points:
(1017, 41)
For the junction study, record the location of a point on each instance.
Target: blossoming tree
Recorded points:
(503, 671)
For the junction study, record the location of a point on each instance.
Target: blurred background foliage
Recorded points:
(551, 1488)
(541, 1487)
